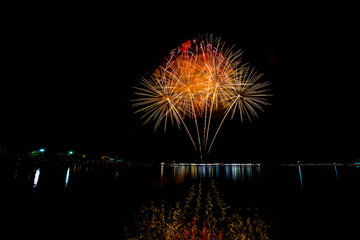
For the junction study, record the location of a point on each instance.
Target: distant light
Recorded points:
(42, 150)
(71, 152)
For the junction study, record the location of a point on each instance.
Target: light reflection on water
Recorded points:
(36, 178)
(336, 173)
(67, 178)
(202, 214)
(239, 185)
(233, 172)
(300, 177)
(180, 173)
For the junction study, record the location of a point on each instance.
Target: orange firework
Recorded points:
(201, 79)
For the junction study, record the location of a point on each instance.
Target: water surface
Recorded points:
(282, 202)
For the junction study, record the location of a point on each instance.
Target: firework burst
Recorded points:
(201, 80)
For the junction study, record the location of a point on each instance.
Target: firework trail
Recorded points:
(202, 79)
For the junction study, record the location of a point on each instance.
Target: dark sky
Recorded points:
(69, 72)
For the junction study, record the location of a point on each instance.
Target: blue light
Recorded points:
(67, 177)
(42, 150)
(336, 172)
(301, 180)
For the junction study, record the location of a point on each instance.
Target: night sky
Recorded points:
(69, 71)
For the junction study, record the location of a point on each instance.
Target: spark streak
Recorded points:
(201, 80)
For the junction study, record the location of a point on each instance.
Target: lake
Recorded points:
(225, 201)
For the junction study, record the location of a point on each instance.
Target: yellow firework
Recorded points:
(200, 80)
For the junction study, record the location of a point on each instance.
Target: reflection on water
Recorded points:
(67, 178)
(202, 214)
(189, 201)
(300, 176)
(36, 178)
(336, 173)
(72, 176)
(234, 172)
